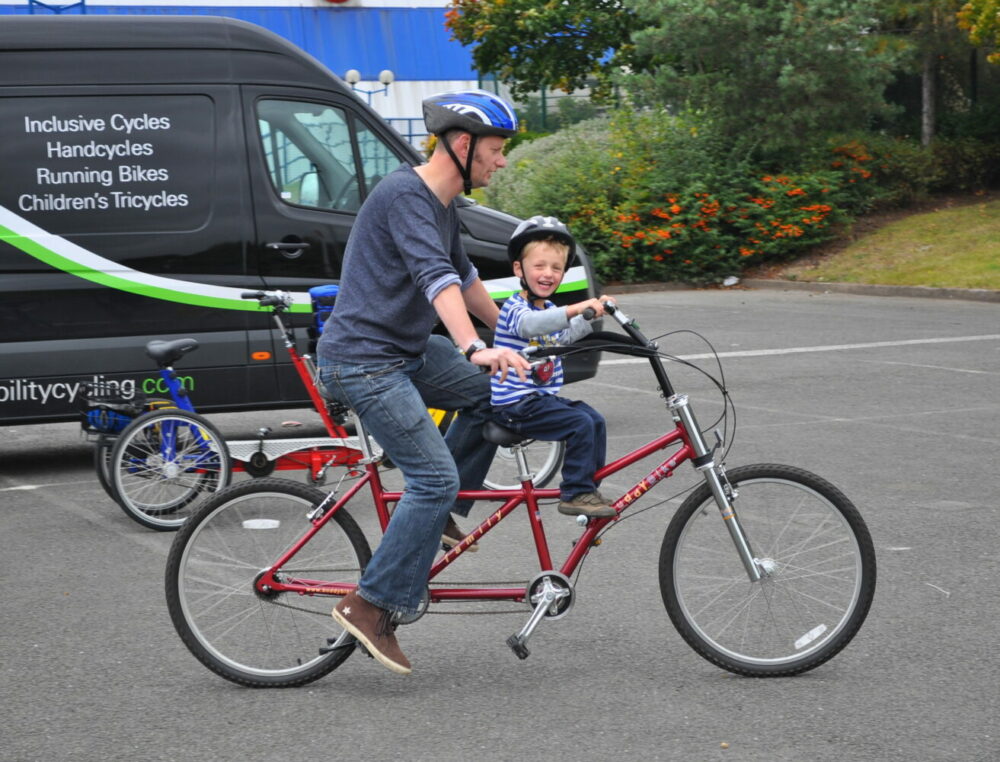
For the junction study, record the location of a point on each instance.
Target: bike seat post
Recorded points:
(524, 473)
(365, 440)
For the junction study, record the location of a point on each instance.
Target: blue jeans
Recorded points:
(553, 419)
(391, 399)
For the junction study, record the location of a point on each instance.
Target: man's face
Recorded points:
(487, 160)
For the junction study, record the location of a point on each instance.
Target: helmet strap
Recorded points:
(465, 171)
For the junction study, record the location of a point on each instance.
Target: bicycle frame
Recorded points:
(692, 447)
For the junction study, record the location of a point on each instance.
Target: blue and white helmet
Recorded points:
(474, 111)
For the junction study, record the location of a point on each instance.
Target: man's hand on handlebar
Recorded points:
(502, 361)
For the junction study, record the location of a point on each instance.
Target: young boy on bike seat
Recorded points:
(540, 251)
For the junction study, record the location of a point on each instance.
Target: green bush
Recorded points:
(565, 175)
(653, 197)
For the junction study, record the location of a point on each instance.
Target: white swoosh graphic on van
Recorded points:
(75, 260)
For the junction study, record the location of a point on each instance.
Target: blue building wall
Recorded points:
(412, 42)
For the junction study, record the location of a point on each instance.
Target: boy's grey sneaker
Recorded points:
(592, 504)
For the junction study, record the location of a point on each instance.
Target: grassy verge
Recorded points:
(956, 247)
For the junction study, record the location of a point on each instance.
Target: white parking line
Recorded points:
(825, 348)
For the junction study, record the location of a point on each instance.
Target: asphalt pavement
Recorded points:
(895, 400)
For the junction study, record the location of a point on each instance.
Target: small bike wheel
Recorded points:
(103, 448)
(164, 463)
(105, 445)
(819, 573)
(245, 636)
(544, 459)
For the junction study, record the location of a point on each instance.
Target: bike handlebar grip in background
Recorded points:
(589, 313)
(251, 295)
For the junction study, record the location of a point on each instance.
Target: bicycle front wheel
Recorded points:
(544, 459)
(164, 463)
(819, 573)
(237, 632)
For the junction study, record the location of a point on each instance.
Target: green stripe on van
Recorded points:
(35, 249)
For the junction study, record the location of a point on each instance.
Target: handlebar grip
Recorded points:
(589, 313)
(251, 295)
(609, 307)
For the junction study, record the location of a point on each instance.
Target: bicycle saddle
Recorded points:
(166, 353)
(498, 435)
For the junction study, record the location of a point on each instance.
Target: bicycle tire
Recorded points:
(161, 490)
(544, 458)
(820, 582)
(103, 448)
(105, 445)
(249, 639)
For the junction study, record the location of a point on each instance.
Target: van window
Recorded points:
(309, 154)
(310, 157)
(377, 159)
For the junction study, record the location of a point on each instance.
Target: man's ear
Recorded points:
(460, 145)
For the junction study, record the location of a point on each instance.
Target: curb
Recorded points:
(859, 289)
(867, 289)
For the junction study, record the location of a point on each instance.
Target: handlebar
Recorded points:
(639, 345)
(280, 300)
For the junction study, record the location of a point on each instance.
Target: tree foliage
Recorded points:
(532, 45)
(772, 71)
(981, 18)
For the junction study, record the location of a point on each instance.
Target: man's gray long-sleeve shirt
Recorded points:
(404, 249)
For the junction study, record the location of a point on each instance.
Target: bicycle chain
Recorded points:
(293, 607)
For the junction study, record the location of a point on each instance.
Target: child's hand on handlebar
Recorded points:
(501, 360)
(590, 309)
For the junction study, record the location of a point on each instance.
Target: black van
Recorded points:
(151, 169)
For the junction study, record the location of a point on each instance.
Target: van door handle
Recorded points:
(290, 250)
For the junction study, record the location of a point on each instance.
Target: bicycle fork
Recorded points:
(704, 461)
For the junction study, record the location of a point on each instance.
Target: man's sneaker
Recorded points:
(373, 627)
(453, 536)
(592, 504)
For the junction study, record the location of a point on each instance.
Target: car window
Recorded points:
(308, 151)
(377, 159)
(311, 159)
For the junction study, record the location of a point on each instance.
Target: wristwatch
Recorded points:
(474, 347)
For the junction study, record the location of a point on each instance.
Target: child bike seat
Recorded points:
(504, 437)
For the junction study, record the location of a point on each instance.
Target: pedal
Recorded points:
(344, 640)
(518, 646)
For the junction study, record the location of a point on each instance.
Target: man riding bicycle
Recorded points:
(404, 269)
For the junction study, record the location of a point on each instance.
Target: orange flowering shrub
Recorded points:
(699, 236)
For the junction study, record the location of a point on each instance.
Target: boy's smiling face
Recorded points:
(542, 267)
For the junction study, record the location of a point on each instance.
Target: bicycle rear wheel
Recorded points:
(247, 637)
(819, 565)
(544, 459)
(164, 463)
(105, 445)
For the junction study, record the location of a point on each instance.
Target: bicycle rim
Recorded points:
(544, 460)
(819, 582)
(164, 463)
(246, 637)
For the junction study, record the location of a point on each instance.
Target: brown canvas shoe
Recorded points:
(453, 535)
(592, 504)
(372, 626)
